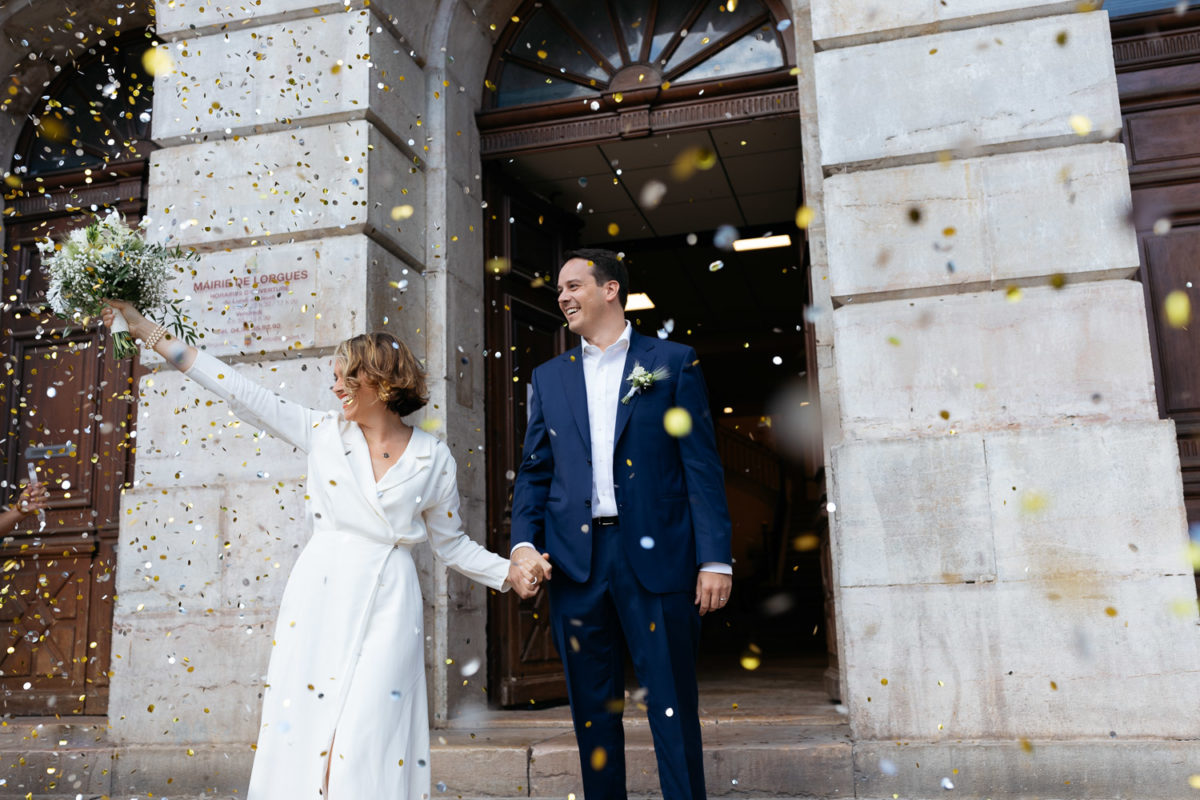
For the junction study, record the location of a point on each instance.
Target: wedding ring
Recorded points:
(533, 580)
(722, 599)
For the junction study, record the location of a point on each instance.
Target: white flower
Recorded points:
(640, 380)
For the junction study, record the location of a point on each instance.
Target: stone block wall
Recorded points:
(304, 155)
(1009, 532)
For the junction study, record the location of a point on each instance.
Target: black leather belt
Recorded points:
(604, 522)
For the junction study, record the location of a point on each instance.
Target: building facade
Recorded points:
(1005, 463)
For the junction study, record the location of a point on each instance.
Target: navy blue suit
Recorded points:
(630, 586)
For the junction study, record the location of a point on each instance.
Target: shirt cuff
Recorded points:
(711, 566)
(519, 545)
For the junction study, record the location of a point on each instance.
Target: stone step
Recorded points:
(790, 758)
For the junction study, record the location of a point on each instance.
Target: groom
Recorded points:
(634, 522)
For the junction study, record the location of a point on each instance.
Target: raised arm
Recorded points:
(283, 419)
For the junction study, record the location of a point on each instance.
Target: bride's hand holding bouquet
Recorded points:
(108, 260)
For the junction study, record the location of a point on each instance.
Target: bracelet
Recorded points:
(154, 338)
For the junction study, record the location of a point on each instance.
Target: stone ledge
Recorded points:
(1104, 769)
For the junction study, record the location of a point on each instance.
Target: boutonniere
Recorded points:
(640, 380)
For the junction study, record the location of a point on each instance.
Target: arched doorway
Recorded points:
(666, 129)
(72, 407)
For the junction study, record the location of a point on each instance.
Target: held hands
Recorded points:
(527, 571)
(712, 591)
(34, 498)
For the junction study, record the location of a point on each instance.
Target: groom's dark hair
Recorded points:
(606, 266)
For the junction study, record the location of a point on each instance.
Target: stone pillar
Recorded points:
(1016, 615)
(299, 158)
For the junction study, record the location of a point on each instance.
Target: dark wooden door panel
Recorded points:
(1172, 263)
(75, 405)
(524, 329)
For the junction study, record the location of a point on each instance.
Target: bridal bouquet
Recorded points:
(109, 259)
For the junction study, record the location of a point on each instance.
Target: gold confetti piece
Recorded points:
(1013, 294)
(1032, 502)
(806, 542)
(1110, 611)
(677, 422)
(1178, 308)
(1053, 686)
(157, 61)
(618, 97)
(944, 414)
(751, 659)
(1080, 124)
(1058, 280)
(804, 217)
(1061, 38)
(1194, 781)
(933, 51)
(1027, 745)
(401, 212)
(498, 265)
(949, 231)
(731, 5)
(542, 54)
(430, 425)
(599, 758)
(894, 341)
(613, 229)
(692, 159)
(883, 681)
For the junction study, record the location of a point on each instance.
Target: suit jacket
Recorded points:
(670, 491)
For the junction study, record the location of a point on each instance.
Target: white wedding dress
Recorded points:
(346, 683)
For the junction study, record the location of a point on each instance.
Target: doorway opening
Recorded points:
(741, 309)
(72, 405)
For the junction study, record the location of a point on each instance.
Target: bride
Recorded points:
(344, 712)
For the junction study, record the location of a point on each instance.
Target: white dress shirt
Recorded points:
(602, 375)
(603, 378)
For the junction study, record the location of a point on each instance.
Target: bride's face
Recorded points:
(355, 405)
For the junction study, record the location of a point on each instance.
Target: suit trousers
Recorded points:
(594, 624)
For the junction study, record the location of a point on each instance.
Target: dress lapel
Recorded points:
(640, 349)
(576, 390)
(417, 458)
(354, 445)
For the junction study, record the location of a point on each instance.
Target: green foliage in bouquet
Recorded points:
(109, 259)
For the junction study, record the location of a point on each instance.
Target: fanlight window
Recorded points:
(582, 48)
(98, 116)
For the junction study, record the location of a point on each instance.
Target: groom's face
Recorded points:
(583, 301)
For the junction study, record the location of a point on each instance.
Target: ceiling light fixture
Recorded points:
(639, 301)
(762, 242)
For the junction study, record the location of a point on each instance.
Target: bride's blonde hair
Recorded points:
(382, 362)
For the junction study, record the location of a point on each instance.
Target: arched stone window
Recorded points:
(91, 118)
(577, 61)
(580, 48)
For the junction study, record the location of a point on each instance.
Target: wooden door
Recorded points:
(71, 411)
(1157, 58)
(525, 241)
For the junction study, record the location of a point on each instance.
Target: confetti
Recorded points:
(1013, 294)
(751, 658)
(1178, 309)
(725, 236)
(690, 160)
(157, 61)
(716, 266)
(401, 212)
(1162, 226)
(804, 217)
(599, 758)
(677, 422)
(647, 543)
(947, 784)
(1080, 124)
(652, 194)
(613, 229)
